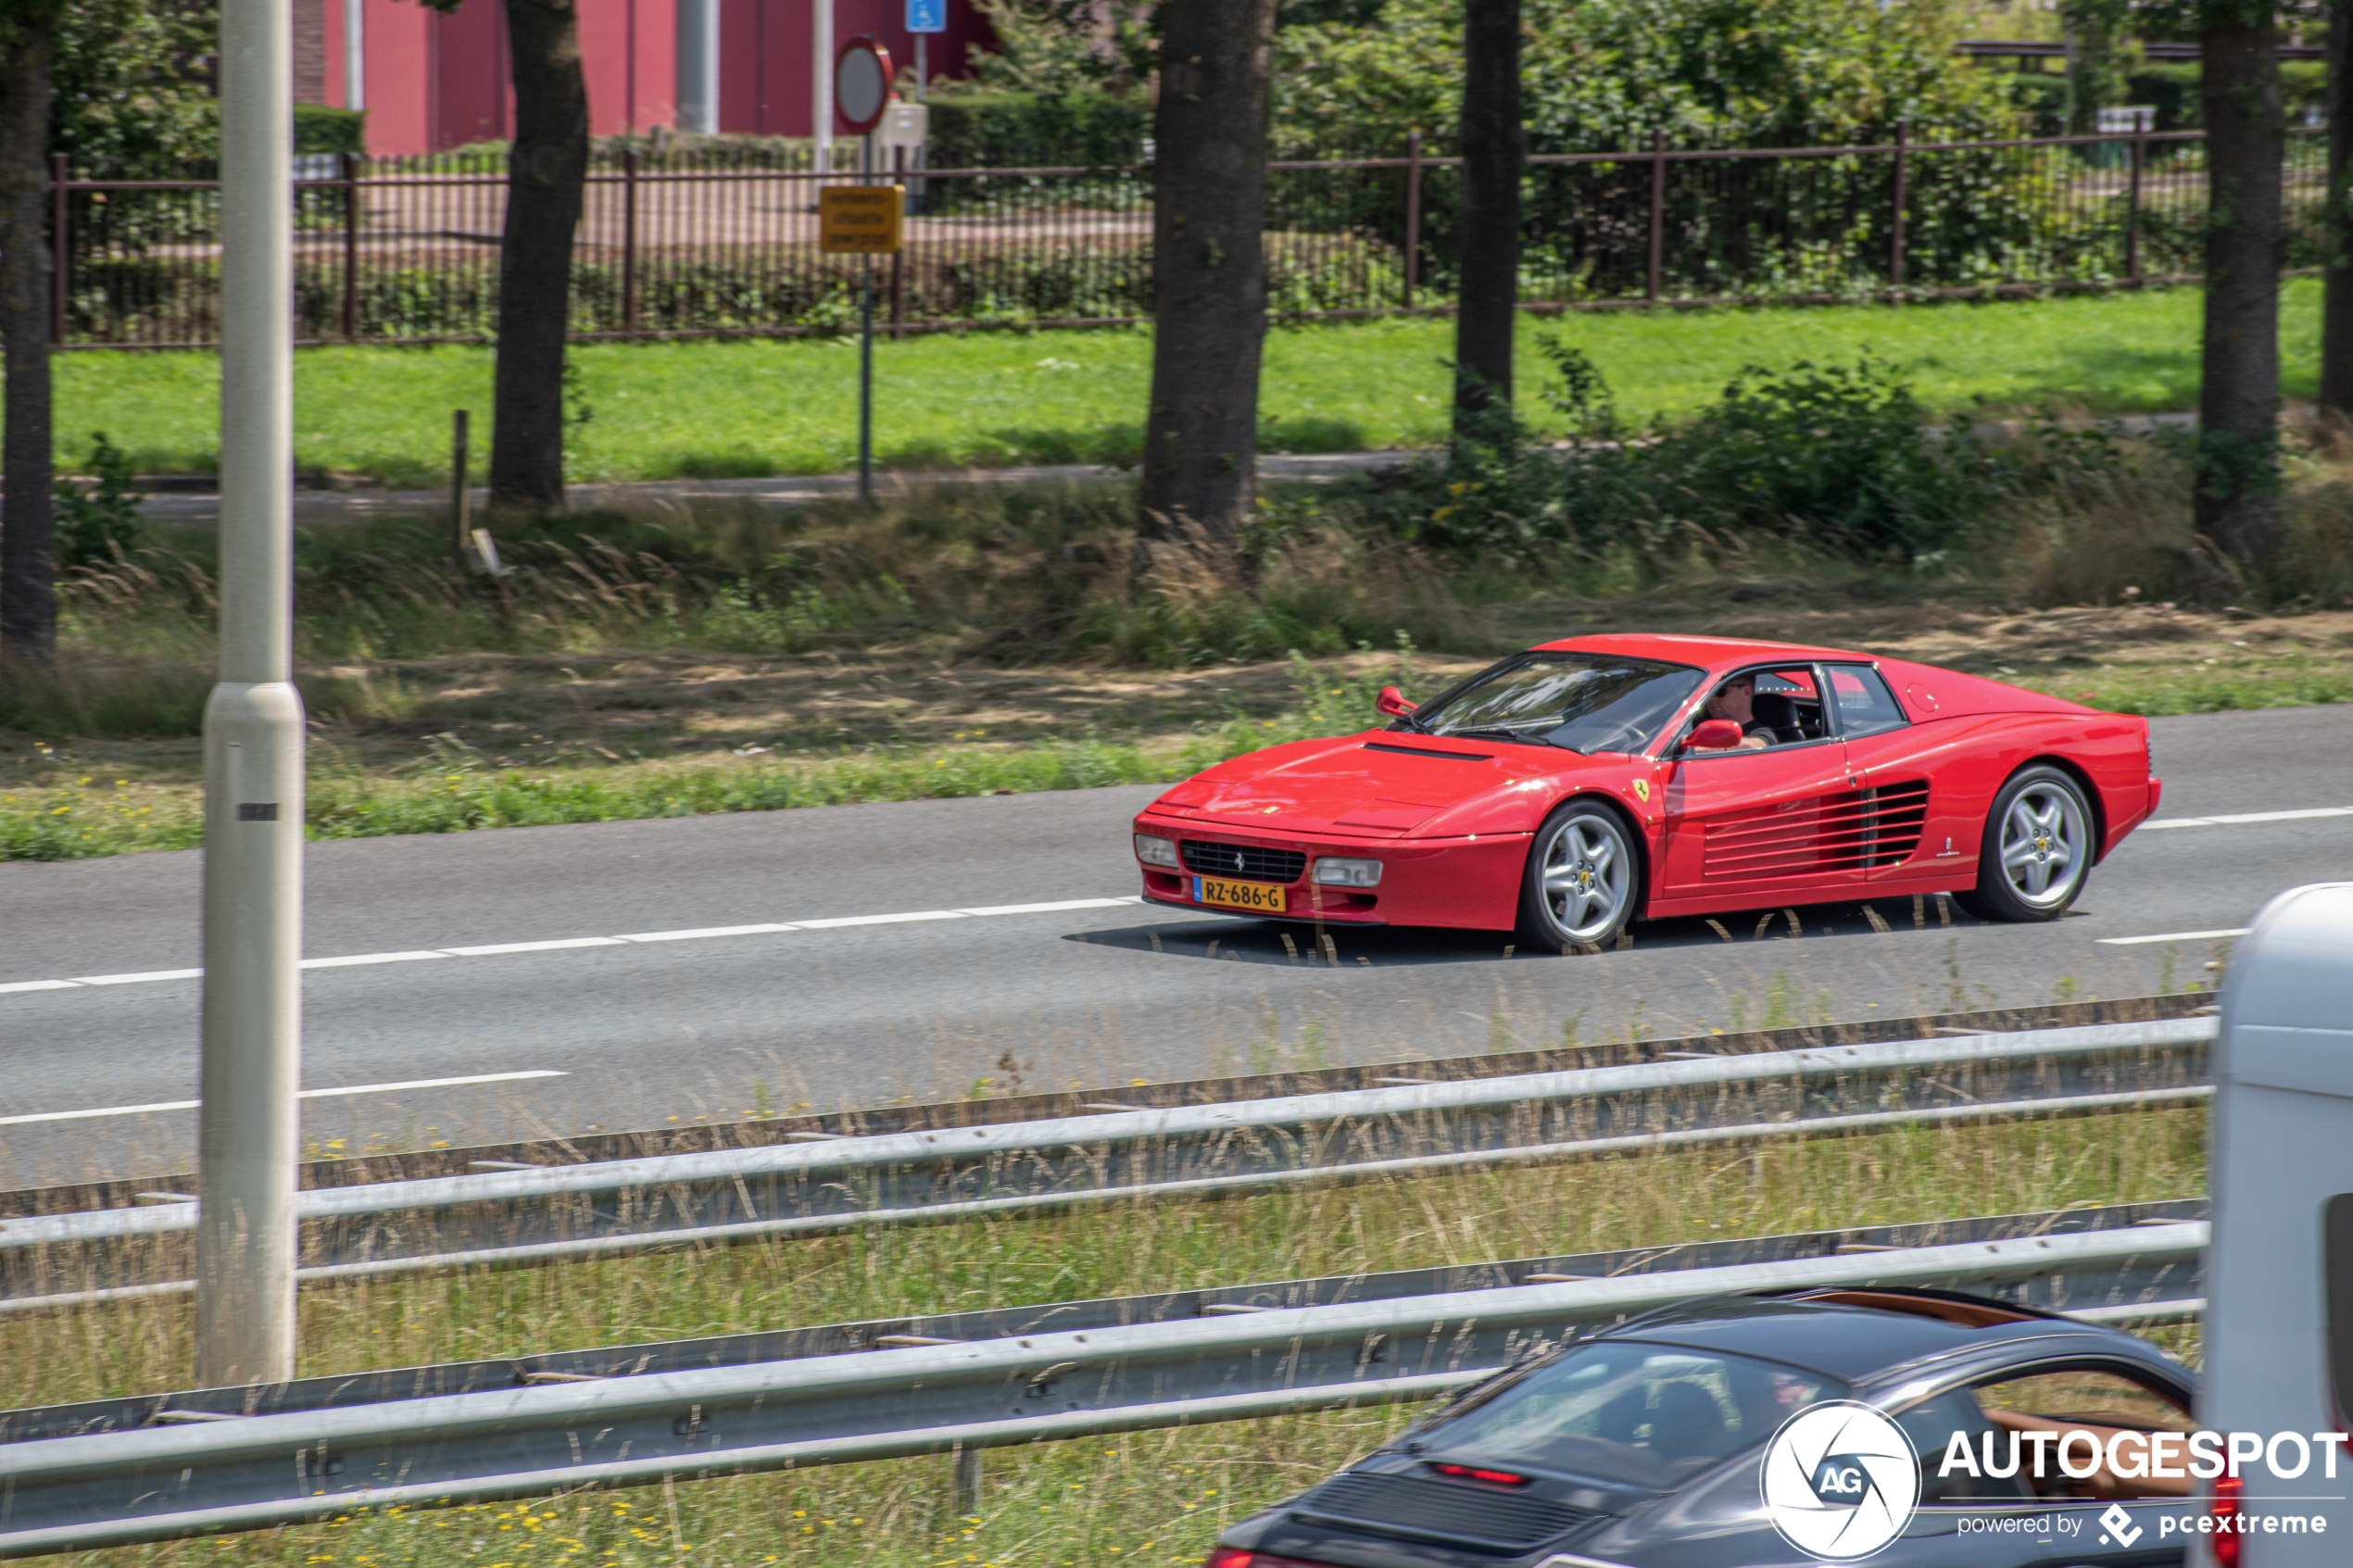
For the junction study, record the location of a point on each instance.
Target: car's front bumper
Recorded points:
(1471, 882)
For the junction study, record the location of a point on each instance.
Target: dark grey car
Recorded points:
(1641, 1445)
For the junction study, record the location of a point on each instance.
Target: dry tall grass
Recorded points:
(1153, 1497)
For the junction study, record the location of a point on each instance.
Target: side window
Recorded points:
(2026, 1432)
(1772, 707)
(1865, 705)
(1932, 1426)
(1788, 705)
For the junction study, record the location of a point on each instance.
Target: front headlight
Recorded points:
(1154, 850)
(1347, 873)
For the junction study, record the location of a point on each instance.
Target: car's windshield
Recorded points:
(1583, 701)
(1650, 1415)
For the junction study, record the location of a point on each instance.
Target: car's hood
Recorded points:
(1382, 782)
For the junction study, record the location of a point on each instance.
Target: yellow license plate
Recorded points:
(1266, 897)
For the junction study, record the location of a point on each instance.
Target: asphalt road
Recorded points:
(1105, 992)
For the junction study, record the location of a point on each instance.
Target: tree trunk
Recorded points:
(1209, 269)
(2336, 273)
(28, 524)
(547, 174)
(2238, 501)
(1495, 149)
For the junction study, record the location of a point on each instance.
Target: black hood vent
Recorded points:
(1450, 1512)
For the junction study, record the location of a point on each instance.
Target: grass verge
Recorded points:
(1156, 1496)
(704, 409)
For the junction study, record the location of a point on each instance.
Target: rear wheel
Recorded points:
(1583, 880)
(2037, 849)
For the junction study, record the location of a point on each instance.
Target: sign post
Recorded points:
(864, 220)
(924, 16)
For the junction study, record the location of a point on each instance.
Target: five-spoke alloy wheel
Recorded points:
(1583, 880)
(2037, 851)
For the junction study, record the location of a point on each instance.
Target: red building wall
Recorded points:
(434, 81)
(765, 75)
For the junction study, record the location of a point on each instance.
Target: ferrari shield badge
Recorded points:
(1642, 789)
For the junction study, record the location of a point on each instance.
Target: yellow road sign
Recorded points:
(860, 219)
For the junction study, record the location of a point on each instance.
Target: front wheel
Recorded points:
(1584, 881)
(2037, 849)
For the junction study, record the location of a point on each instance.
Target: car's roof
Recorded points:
(1710, 652)
(1851, 1343)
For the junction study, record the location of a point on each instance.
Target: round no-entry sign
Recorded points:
(861, 84)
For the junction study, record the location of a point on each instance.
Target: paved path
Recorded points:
(848, 1009)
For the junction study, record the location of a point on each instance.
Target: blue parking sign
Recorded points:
(927, 15)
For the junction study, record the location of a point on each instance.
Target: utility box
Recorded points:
(2279, 1326)
(899, 145)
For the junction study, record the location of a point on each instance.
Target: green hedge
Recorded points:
(1010, 130)
(322, 128)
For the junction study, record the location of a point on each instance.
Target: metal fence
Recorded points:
(723, 240)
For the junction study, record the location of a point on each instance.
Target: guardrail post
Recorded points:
(2132, 202)
(1658, 212)
(1895, 228)
(350, 245)
(61, 252)
(629, 241)
(1413, 215)
(964, 1497)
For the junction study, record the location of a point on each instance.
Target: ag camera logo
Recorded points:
(1839, 1481)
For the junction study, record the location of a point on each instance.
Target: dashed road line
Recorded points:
(303, 1094)
(2305, 815)
(2173, 937)
(562, 944)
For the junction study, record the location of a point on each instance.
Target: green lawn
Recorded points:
(712, 408)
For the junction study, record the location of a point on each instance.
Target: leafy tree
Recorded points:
(547, 181)
(27, 532)
(135, 88)
(2236, 509)
(1600, 75)
(1208, 271)
(1058, 46)
(1494, 144)
(2337, 309)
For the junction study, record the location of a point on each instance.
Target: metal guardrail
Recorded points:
(509, 1217)
(2116, 1293)
(233, 1472)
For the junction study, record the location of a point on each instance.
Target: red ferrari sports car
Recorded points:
(1572, 789)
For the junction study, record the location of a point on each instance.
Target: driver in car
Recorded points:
(1735, 700)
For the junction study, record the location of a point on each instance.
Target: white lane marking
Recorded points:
(138, 979)
(305, 1094)
(696, 933)
(365, 958)
(492, 950)
(878, 920)
(2309, 813)
(988, 910)
(2173, 936)
(699, 934)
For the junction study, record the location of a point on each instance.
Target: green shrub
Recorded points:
(1832, 458)
(995, 129)
(322, 128)
(100, 523)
